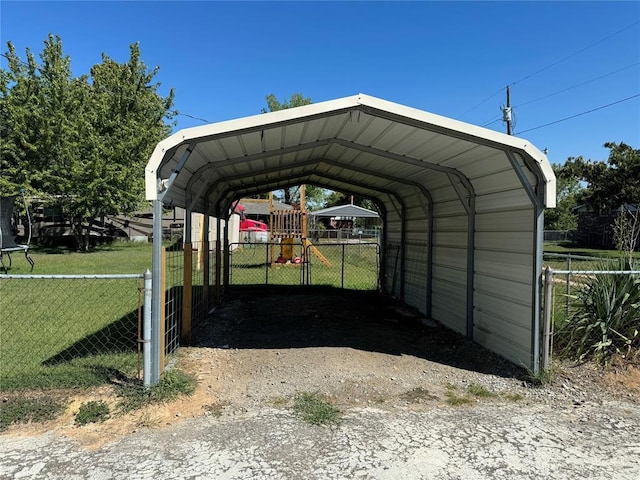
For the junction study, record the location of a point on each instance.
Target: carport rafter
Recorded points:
(198, 174)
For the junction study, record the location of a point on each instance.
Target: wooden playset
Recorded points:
(285, 228)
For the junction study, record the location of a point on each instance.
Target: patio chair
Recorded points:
(8, 233)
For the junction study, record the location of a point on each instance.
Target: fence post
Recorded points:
(146, 331)
(158, 306)
(546, 323)
(568, 284)
(266, 264)
(342, 272)
(187, 294)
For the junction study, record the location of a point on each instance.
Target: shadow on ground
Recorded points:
(301, 317)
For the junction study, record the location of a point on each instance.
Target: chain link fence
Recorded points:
(353, 266)
(568, 264)
(592, 311)
(69, 331)
(343, 265)
(195, 281)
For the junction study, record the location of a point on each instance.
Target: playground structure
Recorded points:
(285, 227)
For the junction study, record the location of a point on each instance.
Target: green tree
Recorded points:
(291, 194)
(339, 198)
(82, 141)
(568, 190)
(296, 100)
(610, 184)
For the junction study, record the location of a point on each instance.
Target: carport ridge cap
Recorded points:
(458, 128)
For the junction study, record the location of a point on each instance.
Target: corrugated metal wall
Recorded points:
(504, 237)
(504, 266)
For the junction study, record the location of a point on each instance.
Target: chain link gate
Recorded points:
(341, 265)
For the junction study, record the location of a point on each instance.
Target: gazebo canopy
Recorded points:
(345, 211)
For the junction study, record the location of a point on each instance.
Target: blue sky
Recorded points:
(450, 58)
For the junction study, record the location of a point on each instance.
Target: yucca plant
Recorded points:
(605, 317)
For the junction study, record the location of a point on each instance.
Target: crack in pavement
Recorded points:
(594, 440)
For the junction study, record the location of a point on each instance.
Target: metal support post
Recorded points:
(146, 330)
(156, 303)
(546, 325)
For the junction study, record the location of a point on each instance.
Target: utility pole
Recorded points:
(506, 111)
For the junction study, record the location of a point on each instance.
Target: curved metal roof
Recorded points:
(359, 144)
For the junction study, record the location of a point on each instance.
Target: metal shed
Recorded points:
(462, 206)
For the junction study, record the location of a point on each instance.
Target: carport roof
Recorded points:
(358, 144)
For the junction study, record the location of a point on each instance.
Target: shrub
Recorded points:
(605, 317)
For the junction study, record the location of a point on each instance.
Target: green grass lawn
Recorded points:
(70, 333)
(353, 267)
(119, 257)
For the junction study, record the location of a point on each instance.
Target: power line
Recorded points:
(576, 53)
(580, 114)
(175, 112)
(482, 102)
(577, 85)
(553, 65)
(489, 122)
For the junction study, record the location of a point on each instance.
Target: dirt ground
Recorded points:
(358, 349)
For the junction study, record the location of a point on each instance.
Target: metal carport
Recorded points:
(462, 206)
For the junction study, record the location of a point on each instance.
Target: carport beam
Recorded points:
(205, 260)
(536, 195)
(218, 257)
(403, 258)
(226, 254)
(156, 293)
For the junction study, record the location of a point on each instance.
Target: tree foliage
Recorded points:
(83, 141)
(296, 100)
(291, 194)
(568, 190)
(611, 184)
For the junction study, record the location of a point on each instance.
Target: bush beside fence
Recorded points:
(592, 313)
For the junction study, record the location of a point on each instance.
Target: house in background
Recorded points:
(595, 230)
(259, 209)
